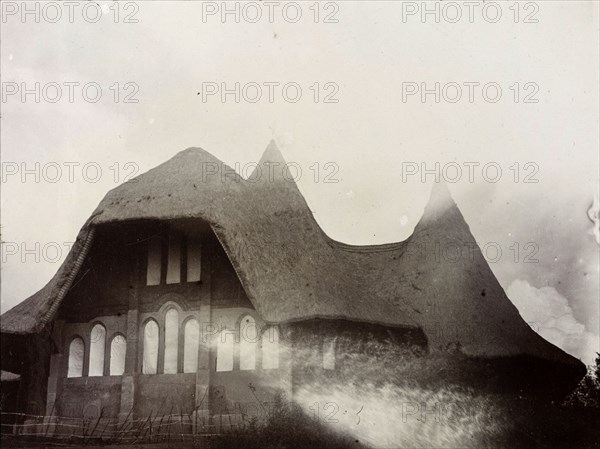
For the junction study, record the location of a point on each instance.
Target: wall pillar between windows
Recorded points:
(203, 376)
(56, 374)
(160, 368)
(129, 378)
(107, 345)
(286, 361)
(87, 344)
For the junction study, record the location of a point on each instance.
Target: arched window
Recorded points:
(225, 350)
(171, 341)
(150, 356)
(191, 341)
(329, 354)
(97, 346)
(76, 351)
(270, 348)
(118, 349)
(248, 343)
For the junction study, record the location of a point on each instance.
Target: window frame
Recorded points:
(72, 339)
(329, 353)
(94, 325)
(144, 348)
(219, 348)
(110, 354)
(177, 311)
(173, 258)
(189, 319)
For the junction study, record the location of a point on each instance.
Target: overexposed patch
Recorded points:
(553, 318)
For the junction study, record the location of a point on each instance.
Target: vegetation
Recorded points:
(385, 395)
(407, 398)
(587, 393)
(287, 426)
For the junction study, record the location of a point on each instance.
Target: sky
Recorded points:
(514, 130)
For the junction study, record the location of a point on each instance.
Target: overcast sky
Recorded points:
(543, 127)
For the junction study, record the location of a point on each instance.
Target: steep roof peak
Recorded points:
(440, 201)
(272, 154)
(441, 193)
(194, 152)
(290, 272)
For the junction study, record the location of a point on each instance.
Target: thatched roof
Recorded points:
(291, 270)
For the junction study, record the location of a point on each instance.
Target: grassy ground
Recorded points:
(387, 397)
(523, 425)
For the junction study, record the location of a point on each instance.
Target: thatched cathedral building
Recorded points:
(185, 285)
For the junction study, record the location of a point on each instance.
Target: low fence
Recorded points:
(174, 427)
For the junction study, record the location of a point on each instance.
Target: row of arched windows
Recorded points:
(249, 341)
(251, 345)
(118, 348)
(191, 341)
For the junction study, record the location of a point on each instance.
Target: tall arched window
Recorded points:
(329, 354)
(248, 343)
(118, 348)
(225, 350)
(97, 347)
(171, 341)
(270, 348)
(76, 352)
(150, 356)
(191, 341)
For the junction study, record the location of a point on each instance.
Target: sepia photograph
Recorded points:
(357, 224)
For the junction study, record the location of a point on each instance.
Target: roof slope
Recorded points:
(291, 270)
